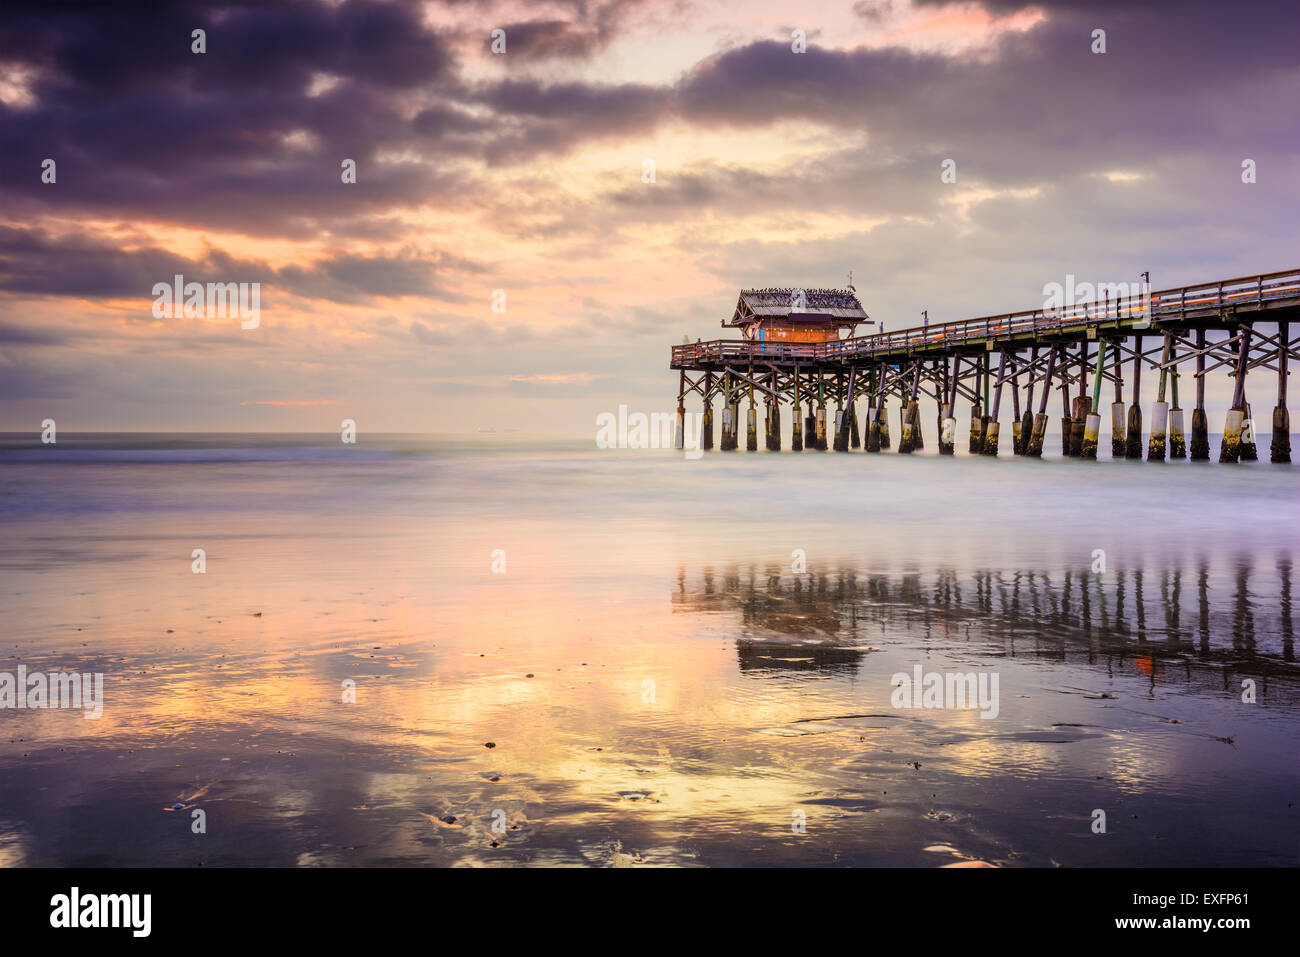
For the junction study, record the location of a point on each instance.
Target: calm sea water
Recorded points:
(563, 655)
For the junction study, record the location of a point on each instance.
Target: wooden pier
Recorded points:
(790, 354)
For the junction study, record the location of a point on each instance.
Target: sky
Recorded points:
(505, 260)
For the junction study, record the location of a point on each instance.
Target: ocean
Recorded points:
(506, 650)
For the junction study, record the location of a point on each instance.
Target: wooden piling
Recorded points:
(906, 437)
(728, 443)
(947, 423)
(842, 426)
(1160, 411)
(1133, 450)
(1249, 451)
(1177, 438)
(1200, 451)
(1118, 443)
(991, 430)
(918, 441)
(1092, 424)
(1280, 450)
(1230, 447)
(706, 424)
(1016, 436)
(874, 413)
(1039, 432)
(1027, 423)
(796, 418)
(751, 421)
(1067, 419)
(1081, 405)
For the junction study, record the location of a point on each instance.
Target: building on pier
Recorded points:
(796, 315)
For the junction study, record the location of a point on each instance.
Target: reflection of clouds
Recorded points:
(12, 849)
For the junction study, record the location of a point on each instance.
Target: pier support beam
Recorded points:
(1280, 450)
(1134, 448)
(855, 438)
(774, 427)
(1200, 451)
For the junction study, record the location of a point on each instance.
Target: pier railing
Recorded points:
(1245, 293)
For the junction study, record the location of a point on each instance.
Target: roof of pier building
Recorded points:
(839, 307)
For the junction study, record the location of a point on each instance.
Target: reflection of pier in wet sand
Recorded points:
(1206, 624)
